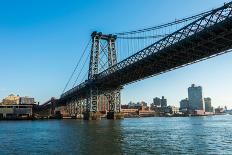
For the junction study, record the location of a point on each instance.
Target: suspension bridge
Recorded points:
(118, 59)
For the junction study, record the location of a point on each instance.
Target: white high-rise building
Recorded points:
(195, 97)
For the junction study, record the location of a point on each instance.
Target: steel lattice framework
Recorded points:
(208, 36)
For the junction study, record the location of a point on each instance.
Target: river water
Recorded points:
(155, 135)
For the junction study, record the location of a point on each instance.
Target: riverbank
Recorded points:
(126, 116)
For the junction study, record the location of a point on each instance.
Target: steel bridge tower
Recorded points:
(111, 93)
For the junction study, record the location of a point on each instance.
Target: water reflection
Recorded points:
(195, 135)
(101, 138)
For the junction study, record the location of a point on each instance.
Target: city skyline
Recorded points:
(155, 98)
(33, 46)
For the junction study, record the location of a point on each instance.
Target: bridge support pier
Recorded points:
(75, 108)
(91, 112)
(113, 104)
(114, 99)
(115, 115)
(92, 116)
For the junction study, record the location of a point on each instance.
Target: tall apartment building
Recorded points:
(184, 104)
(164, 102)
(208, 105)
(195, 97)
(157, 101)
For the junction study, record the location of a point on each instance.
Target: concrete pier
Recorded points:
(114, 116)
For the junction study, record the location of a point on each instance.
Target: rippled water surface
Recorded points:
(156, 135)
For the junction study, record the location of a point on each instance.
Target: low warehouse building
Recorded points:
(15, 111)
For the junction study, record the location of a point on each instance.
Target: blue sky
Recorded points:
(41, 41)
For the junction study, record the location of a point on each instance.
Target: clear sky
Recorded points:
(41, 41)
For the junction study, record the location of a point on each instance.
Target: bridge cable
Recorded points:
(85, 76)
(163, 25)
(84, 64)
(70, 78)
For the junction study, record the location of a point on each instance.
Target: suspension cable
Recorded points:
(82, 80)
(163, 25)
(81, 70)
(70, 78)
(144, 37)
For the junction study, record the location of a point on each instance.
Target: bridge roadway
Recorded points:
(206, 37)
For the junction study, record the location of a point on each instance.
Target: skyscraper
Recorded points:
(157, 101)
(195, 98)
(184, 104)
(163, 102)
(208, 106)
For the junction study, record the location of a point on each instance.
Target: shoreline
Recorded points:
(68, 118)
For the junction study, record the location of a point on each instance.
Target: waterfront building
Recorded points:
(208, 106)
(132, 105)
(143, 103)
(14, 100)
(11, 99)
(26, 100)
(166, 110)
(138, 109)
(163, 102)
(130, 112)
(195, 98)
(124, 106)
(199, 113)
(219, 111)
(146, 112)
(184, 104)
(173, 109)
(15, 111)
